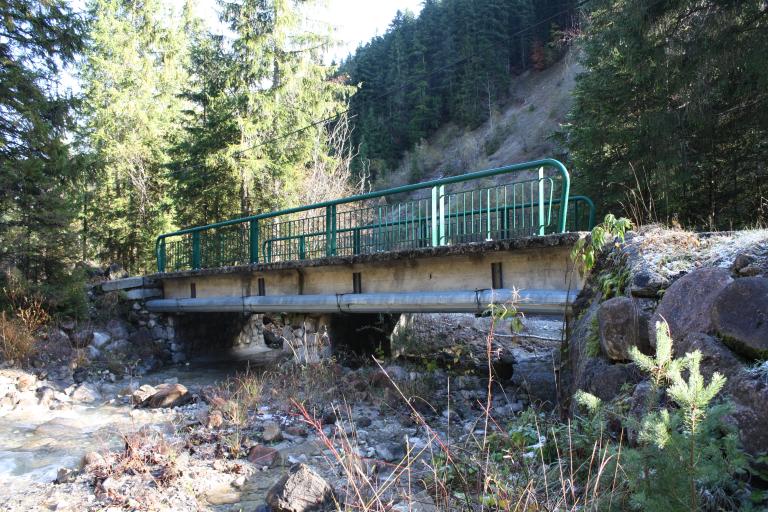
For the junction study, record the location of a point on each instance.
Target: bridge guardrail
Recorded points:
(527, 204)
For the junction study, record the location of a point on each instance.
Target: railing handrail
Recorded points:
(535, 164)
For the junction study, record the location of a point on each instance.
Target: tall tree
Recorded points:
(133, 74)
(243, 153)
(36, 172)
(672, 110)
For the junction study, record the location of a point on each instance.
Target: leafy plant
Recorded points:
(585, 252)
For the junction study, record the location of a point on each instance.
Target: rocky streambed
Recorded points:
(263, 431)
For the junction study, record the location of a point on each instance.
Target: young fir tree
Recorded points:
(132, 77)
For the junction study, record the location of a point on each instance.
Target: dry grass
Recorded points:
(16, 340)
(535, 464)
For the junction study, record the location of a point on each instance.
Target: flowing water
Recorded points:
(35, 441)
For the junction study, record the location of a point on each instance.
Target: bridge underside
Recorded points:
(533, 272)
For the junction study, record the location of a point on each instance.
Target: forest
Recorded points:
(172, 125)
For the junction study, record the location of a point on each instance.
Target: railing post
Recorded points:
(541, 201)
(254, 241)
(438, 215)
(196, 250)
(330, 230)
(356, 241)
(302, 248)
(161, 256)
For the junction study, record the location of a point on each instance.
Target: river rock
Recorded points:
(536, 376)
(622, 325)
(211, 419)
(118, 328)
(300, 490)
(99, 339)
(65, 475)
(687, 303)
(271, 432)
(169, 395)
(82, 338)
(45, 396)
(141, 395)
(26, 381)
(261, 455)
(92, 459)
(85, 392)
(740, 316)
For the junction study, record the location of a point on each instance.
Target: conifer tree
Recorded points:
(37, 172)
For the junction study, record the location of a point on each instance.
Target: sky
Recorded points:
(355, 21)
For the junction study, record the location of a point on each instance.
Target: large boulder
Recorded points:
(622, 325)
(607, 380)
(740, 316)
(169, 395)
(715, 357)
(300, 490)
(749, 392)
(687, 303)
(536, 376)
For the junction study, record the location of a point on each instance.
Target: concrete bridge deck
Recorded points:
(534, 272)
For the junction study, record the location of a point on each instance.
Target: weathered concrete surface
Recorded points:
(536, 263)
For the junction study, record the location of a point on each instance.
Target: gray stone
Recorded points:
(272, 432)
(536, 376)
(141, 395)
(99, 339)
(749, 392)
(740, 316)
(158, 332)
(715, 357)
(65, 475)
(82, 338)
(687, 303)
(622, 325)
(300, 490)
(117, 329)
(390, 452)
(45, 396)
(85, 392)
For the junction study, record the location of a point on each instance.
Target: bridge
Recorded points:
(454, 244)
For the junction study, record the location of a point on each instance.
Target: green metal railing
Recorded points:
(526, 201)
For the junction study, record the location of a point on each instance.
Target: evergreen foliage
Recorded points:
(246, 95)
(132, 75)
(685, 448)
(454, 62)
(38, 176)
(671, 117)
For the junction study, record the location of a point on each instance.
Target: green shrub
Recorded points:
(686, 453)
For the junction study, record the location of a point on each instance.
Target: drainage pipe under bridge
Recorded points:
(468, 301)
